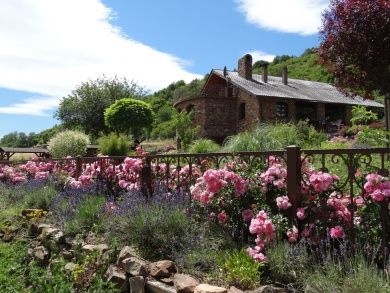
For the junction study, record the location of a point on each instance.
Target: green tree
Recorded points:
(129, 116)
(185, 129)
(84, 107)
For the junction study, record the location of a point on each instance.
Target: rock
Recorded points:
(70, 267)
(184, 283)
(134, 266)
(268, 289)
(99, 247)
(35, 243)
(126, 252)
(117, 276)
(153, 286)
(136, 284)
(8, 237)
(1, 234)
(167, 281)
(206, 288)
(67, 254)
(41, 254)
(233, 289)
(59, 237)
(47, 233)
(41, 227)
(162, 268)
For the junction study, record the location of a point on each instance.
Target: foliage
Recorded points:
(304, 67)
(13, 267)
(127, 115)
(355, 274)
(360, 115)
(84, 107)
(192, 89)
(158, 227)
(185, 129)
(166, 129)
(200, 146)
(114, 145)
(239, 269)
(68, 143)
(287, 262)
(78, 211)
(18, 139)
(354, 44)
(264, 137)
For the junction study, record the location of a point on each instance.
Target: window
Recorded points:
(242, 111)
(190, 108)
(281, 110)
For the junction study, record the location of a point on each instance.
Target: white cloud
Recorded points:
(34, 106)
(260, 55)
(291, 16)
(50, 46)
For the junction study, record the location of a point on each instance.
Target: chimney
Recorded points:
(265, 73)
(285, 75)
(245, 67)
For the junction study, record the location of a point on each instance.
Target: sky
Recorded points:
(49, 47)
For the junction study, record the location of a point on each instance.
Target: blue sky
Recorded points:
(48, 47)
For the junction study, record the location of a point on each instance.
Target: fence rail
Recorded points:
(180, 171)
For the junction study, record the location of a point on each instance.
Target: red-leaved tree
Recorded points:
(355, 45)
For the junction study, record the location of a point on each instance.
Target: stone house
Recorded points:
(234, 101)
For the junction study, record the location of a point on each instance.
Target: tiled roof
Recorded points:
(310, 91)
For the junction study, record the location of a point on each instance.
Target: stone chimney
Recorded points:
(264, 76)
(245, 67)
(285, 75)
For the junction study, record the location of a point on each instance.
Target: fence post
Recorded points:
(79, 166)
(146, 177)
(294, 176)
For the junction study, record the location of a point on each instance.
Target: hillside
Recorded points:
(303, 67)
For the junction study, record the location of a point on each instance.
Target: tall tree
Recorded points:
(84, 107)
(355, 44)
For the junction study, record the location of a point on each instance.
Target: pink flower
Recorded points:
(321, 181)
(359, 201)
(337, 232)
(247, 215)
(222, 217)
(292, 234)
(283, 202)
(301, 213)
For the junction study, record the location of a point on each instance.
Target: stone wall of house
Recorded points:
(251, 116)
(267, 110)
(198, 105)
(215, 116)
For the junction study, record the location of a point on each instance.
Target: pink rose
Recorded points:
(337, 232)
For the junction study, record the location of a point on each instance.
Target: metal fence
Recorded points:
(180, 171)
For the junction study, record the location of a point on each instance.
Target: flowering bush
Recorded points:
(68, 143)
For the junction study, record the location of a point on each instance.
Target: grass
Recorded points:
(13, 266)
(153, 145)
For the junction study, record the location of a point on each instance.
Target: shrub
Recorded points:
(353, 275)
(159, 227)
(114, 145)
(40, 198)
(200, 146)
(77, 210)
(264, 137)
(286, 262)
(68, 143)
(87, 215)
(239, 269)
